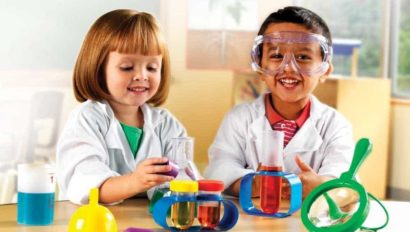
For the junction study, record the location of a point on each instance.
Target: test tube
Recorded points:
(270, 192)
(183, 213)
(272, 161)
(209, 211)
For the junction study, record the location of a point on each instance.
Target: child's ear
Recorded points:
(261, 76)
(322, 79)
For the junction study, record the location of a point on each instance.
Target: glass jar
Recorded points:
(183, 213)
(209, 211)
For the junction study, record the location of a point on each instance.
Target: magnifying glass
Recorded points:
(343, 204)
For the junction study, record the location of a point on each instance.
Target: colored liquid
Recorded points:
(208, 215)
(35, 208)
(182, 214)
(271, 188)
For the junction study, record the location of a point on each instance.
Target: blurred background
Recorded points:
(209, 42)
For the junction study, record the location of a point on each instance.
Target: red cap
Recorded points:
(211, 185)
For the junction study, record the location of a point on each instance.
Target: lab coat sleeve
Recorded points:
(227, 153)
(82, 157)
(339, 148)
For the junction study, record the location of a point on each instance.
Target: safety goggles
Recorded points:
(307, 53)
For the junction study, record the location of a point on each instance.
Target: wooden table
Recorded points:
(134, 213)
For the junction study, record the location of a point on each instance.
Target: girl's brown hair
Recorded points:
(124, 31)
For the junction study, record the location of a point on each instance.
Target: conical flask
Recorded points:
(183, 155)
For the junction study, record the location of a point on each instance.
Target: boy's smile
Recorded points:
(289, 82)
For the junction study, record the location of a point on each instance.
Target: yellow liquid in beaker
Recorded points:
(182, 214)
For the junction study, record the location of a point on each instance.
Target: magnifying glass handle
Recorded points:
(334, 211)
(361, 151)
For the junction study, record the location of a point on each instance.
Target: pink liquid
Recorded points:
(208, 215)
(271, 188)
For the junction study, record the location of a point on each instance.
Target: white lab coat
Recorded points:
(93, 146)
(325, 142)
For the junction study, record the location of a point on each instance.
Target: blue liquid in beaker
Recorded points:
(35, 208)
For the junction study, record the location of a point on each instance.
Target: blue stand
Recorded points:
(245, 194)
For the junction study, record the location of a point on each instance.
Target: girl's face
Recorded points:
(132, 79)
(289, 86)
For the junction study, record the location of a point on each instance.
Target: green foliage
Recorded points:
(403, 79)
(353, 19)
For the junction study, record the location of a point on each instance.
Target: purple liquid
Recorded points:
(133, 229)
(174, 171)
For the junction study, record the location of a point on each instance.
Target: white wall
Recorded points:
(47, 34)
(39, 43)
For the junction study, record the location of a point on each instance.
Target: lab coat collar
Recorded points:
(152, 117)
(307, 137)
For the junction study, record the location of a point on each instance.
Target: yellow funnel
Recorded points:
(92, 217)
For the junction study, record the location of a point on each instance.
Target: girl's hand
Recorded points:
(146, 174)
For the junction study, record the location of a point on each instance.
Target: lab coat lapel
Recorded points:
(115, 137)
(150, 144)
(256, 129)
(306, 139)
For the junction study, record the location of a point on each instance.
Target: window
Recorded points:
(220, 33)
(402, 74)
(353, 21)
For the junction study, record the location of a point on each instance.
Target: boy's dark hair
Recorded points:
(298, 15)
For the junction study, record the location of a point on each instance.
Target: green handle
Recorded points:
(361, 151)
(334, 211)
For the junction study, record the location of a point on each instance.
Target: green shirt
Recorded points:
(134, 136)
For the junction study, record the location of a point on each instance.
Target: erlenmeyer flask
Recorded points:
(182, 155)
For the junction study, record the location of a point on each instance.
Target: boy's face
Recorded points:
(289, 85)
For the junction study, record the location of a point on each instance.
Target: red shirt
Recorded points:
(289, 127)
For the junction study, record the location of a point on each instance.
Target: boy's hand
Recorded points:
(146, 174)
(309, 178)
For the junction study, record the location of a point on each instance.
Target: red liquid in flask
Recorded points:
(208, 215)
(271, 188)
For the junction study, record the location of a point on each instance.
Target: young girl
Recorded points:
(292, 54)
(116, 139)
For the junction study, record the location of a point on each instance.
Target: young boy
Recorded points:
(292, 54)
